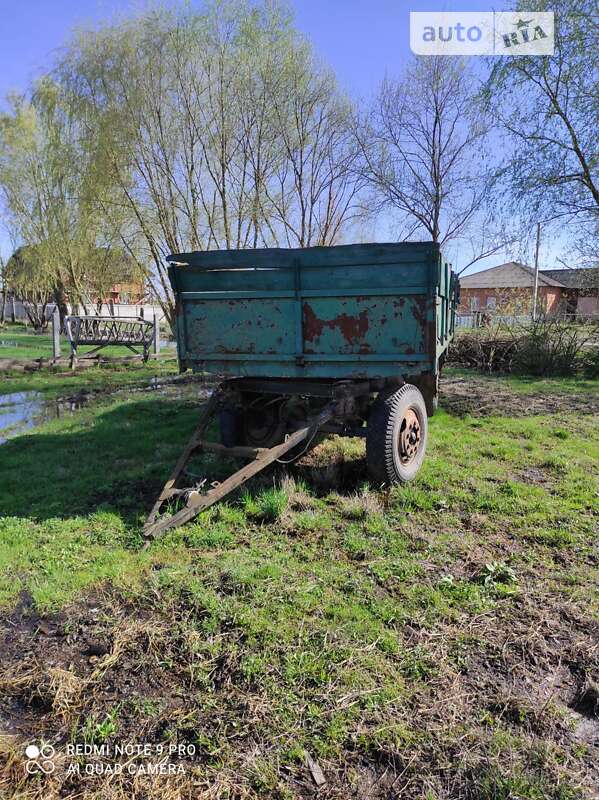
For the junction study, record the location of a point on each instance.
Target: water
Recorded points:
(21, 411)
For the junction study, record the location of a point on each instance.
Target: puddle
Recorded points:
(182, 388)
(21, 411)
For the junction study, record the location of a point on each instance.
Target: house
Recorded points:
(580, 293)
(508, 288)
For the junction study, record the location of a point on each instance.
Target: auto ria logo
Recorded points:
(490, 33)
(40, 759)
(524, 34)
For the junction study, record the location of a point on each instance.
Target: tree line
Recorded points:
(194, 128)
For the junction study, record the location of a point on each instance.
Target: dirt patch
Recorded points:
(480, 397)
(65, 676)
(328, 467)
(527, 669)
(177, 387)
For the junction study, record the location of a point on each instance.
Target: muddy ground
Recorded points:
(537, 669)
(481, 397)
(511, 690)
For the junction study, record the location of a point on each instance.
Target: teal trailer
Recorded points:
(352, 311)
(347, 339)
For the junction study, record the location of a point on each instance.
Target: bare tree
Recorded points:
(315, 190)
(549, 106)
(425, 153)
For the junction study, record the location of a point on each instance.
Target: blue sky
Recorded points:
(362, 40)
(365, 39)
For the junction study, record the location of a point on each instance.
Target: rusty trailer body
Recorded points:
(352, 311)
(347, 339)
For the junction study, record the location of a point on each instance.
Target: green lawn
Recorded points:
(19, 342)
(436, 641)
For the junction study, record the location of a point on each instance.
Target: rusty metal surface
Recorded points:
(352, 311)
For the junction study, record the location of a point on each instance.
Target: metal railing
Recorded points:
(135, 333)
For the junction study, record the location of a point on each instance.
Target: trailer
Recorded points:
(346, 339)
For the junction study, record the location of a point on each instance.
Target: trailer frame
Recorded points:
(338, 400)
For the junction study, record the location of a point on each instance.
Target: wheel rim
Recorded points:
(261, 424)
(410, 437)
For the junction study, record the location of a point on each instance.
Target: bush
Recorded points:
(486, 349)
(549, 347)
(542, 348)
(590, 362)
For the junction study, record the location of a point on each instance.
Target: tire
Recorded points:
(396, 436)
(263, 427)
(230, 422)
(258, 427)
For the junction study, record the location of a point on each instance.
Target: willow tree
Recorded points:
(48, 178)
(34, 286)
(220, 130)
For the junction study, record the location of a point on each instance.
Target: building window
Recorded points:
(491, 303)
(474, 303)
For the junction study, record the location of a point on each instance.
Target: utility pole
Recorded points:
(536, 283)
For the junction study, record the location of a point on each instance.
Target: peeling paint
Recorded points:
(352, 328)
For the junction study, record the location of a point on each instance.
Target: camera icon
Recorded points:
(40, 759)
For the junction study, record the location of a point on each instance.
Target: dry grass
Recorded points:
(145, 636)
(361, 505)
(58, 688)
(436, 642)
(298, 497)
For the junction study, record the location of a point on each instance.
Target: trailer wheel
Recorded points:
(257, 424)
(263, 423)
(396, 436)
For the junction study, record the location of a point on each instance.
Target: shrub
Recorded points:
(590, 362)
(542, 348)
(548, 347)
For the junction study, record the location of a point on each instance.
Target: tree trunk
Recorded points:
(61, 302)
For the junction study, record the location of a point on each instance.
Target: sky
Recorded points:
(362, 40)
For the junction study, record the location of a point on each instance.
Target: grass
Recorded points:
(524, 384)
(427, 642)
(18, 341)
(21, 342)
(103, 378)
